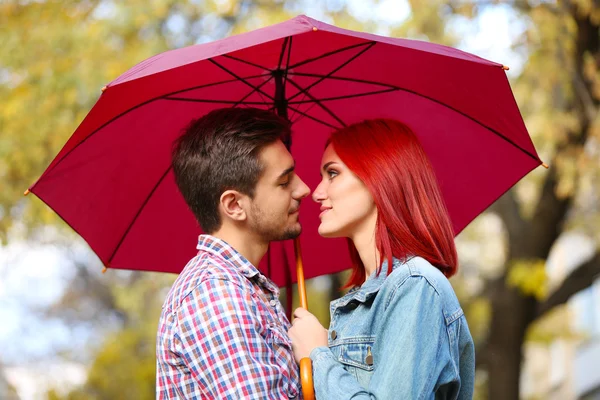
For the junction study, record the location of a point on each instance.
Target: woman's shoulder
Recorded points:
(416, 271)
(417, 267)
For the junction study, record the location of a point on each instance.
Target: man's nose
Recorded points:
(302, 190)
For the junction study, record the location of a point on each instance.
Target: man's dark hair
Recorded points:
(219, 152)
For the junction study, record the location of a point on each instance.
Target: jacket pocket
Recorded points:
(356, 357)
(357, 352)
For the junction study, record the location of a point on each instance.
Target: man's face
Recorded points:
(273, 213)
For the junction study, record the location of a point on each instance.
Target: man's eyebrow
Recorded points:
(287, 171)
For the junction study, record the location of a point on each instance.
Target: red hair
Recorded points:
(412, 219)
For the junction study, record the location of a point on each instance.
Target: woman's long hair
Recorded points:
(412, 219)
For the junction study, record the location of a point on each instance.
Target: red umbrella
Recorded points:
(112, 182)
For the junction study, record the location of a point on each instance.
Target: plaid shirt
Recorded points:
(223, 332)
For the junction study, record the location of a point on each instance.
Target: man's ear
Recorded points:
(232, 205)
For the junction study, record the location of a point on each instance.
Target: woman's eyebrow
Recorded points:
(324, 167)
(327, 165)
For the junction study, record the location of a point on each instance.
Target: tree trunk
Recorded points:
(511, 316)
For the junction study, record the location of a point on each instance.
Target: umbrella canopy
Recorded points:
(113, 183)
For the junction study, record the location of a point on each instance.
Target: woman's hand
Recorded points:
(306, 333)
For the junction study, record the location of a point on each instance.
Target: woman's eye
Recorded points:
(332, 173)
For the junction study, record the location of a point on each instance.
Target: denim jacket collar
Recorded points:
(369, 288)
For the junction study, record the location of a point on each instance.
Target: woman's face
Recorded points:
(347, 207)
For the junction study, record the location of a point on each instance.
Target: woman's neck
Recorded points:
(364, 241)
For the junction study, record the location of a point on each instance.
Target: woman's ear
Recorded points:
(232, 205)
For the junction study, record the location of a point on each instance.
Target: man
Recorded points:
(223, 333)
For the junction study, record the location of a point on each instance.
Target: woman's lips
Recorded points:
(323, 211)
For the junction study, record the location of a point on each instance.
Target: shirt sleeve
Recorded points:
(412, 350)
(219, 338)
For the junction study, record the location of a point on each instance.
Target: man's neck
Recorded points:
(252, 248)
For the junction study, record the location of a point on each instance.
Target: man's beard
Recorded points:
(269, 230)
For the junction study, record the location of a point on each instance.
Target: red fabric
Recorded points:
(112, 182)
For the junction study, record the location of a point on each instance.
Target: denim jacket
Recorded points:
(398, 336)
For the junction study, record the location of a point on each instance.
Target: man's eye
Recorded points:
(285, 184)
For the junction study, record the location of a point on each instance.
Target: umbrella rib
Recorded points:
(283, 47)
(240, 78)
(245, 62)
(164, 96)
(313, 118)
(318, 102)
(349, 96)
(354, 57)
(138, 213)
(235, 103)
(495, 132)
(330, 53)
(287, 69)
(211, 84)
(254, 91)
(287, 64)
(261, 103)
(341, 78)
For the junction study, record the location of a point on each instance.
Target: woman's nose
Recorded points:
(319, 194)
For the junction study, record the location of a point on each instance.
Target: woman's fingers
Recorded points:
(301, 312)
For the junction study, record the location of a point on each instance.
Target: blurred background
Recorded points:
(528, 279)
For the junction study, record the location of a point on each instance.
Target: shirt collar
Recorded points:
(225, 251)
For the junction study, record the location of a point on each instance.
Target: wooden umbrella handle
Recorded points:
(306, 377)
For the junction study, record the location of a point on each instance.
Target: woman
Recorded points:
(400, 332)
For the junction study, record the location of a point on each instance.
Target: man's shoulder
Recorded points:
(199, 271)
(208, 266)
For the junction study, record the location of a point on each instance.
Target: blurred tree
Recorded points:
(559, 93)
(55, 58)
(7, 392)
(124, 363)
(57, 55)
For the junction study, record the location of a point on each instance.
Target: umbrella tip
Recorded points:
(545, 165)
(315, 29)
(504, 67)
(26, 192)
(104, 269)
(103, 89)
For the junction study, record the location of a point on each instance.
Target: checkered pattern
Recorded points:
(223, 333)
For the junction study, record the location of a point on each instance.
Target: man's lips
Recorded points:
(295, 210)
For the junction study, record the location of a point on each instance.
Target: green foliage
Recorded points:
(124, 363)
(56, 55)
(529, 276)
(124, 368)
(555, 325)
(55, 58)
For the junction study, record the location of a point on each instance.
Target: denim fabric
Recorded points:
(401, 335)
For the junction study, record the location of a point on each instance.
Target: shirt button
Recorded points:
(261, 278)
(333, 335)
(273, 303)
